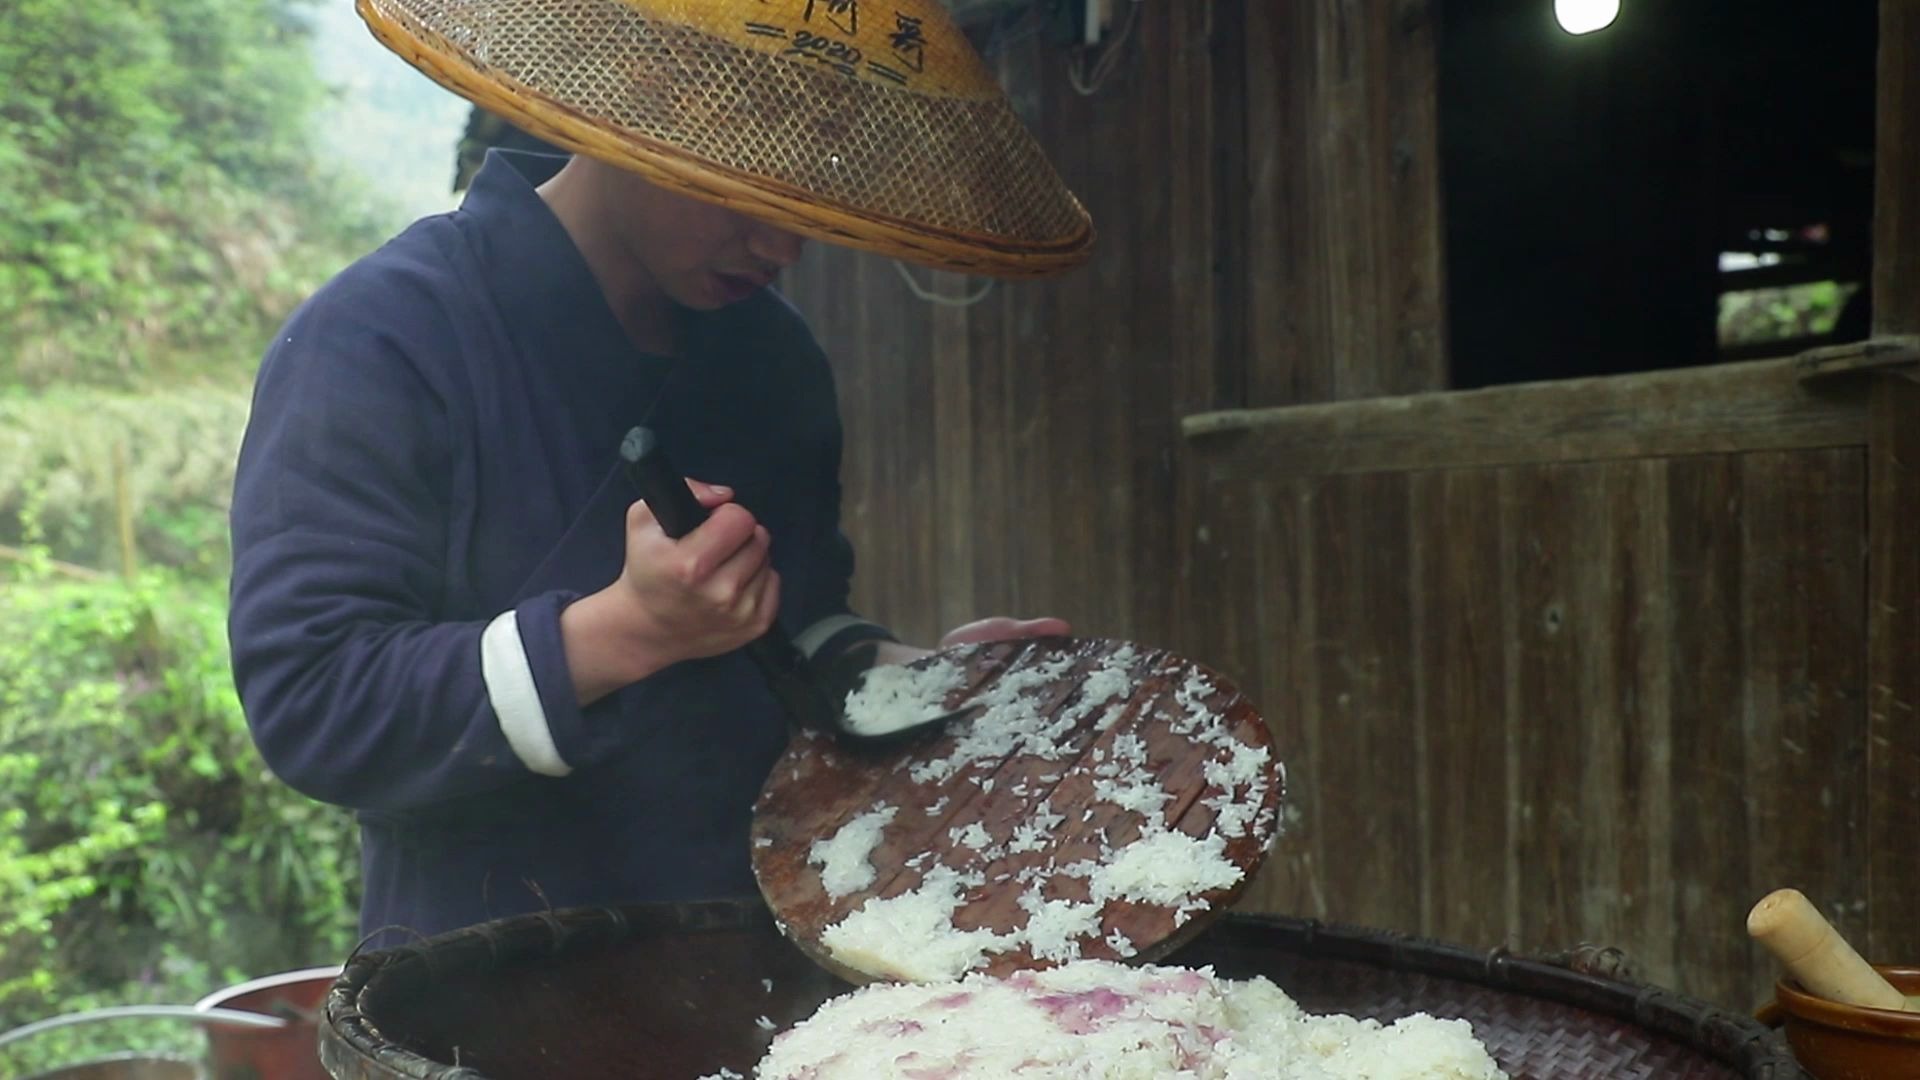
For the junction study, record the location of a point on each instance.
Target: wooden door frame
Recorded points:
(1893, 514)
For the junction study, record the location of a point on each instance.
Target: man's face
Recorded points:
(702, 256)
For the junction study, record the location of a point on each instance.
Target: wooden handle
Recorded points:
(1815, 953)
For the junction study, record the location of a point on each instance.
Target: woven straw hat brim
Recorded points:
(940, 172)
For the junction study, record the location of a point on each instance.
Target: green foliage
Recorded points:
(163, 205)
(1782, 314)
(57, 459)
(146, 854)
(160, 205)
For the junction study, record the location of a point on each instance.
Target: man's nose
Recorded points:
(775, 246)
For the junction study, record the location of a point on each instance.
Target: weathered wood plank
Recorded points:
(987, 515)
(1721, 409)
(956, 451)
(1606, 607)
(1588, 618)
(979, 330)
(1556, 599)
(1338, 222)
(1709, 857)
(1803, 585)
(1513, 720)
(1213, 546)
(1079, 397)
(1260, 630)
(1026, 508)
(1345, 262)
(1458, 551)
(1410, 278)
(1893, 595)
(1240, 590)
(1138, 357)
(1366, 835)
(1896, 208)
(825, 288)
(1640, 693)
(1423, 734)
(897, 341)
(1019, 508)
(1195, 193)
(1893, 675)
(1287, 308)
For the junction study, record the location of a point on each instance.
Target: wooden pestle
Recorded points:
(1815, 953)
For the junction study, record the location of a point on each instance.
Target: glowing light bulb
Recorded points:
(1585, 16)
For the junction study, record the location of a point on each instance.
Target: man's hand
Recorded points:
(706, 593)
(711, 591)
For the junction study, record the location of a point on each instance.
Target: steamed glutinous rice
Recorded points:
(1019, 727)
(1099, 1020)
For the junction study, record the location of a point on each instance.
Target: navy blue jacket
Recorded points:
(428, 478)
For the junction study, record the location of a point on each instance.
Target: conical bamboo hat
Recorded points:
(873, 125)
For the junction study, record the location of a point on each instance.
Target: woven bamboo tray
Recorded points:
(682, 991)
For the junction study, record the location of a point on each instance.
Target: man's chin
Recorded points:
(732, 288)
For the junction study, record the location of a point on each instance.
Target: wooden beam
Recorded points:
(1893, 675)
(1727, 408)
(1879, 356)
(1893, 508)
(1896, 211)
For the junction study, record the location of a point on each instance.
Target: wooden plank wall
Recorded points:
(1893, 675)
(1541, 705)
(1612, 699)
(1023, 451)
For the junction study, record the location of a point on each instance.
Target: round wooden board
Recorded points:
(1169, 717)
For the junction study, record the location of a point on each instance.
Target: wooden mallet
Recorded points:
(1815, 954)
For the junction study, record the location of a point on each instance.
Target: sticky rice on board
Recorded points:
(894, 696)
(1175, 849)
(911, 934)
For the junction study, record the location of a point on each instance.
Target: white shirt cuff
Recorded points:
(808, 641)
(515, 699)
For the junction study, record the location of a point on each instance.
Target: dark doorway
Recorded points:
(1689, 185)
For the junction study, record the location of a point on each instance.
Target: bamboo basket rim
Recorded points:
(1731, 1038)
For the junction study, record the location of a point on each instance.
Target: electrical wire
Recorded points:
(1088, 82)
(1088, 69)
(932, 297)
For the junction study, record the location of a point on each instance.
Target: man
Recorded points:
(448, 611)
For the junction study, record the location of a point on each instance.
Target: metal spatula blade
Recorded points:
(893, 730)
